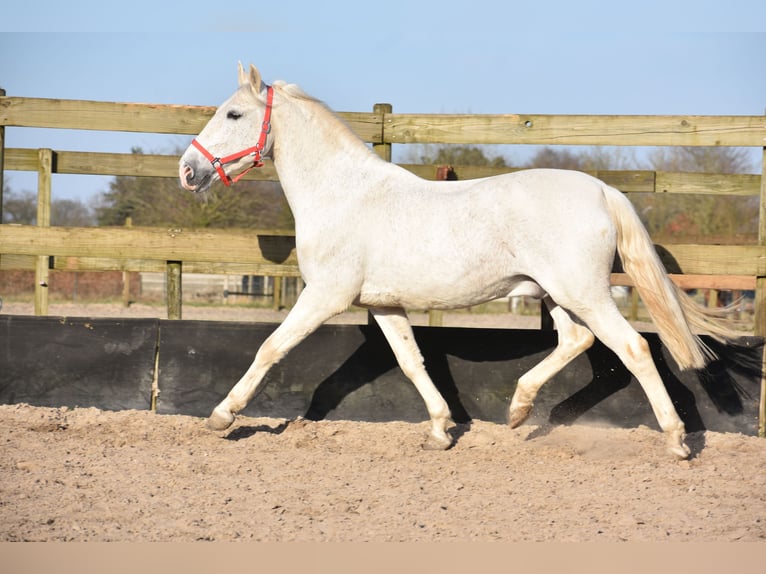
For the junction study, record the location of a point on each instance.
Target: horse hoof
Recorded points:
(434, 443)
(681, 452)
(220, 420)
(518, 415)
(677, 447)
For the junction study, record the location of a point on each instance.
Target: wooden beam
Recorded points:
(158, 266)
(708, 183)
(715, 259)
(720, 282)
(138, 117)
(278, 248)
(149, 165)
(44, 183)
(243, 246)
(174, 290)
(576, 130)
(2, 162)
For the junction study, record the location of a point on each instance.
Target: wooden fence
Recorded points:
(273, 253)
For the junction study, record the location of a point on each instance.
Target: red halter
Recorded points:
(256, 151)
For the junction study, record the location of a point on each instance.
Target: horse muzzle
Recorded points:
(193, 178)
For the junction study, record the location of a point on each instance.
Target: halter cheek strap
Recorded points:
(256, 151)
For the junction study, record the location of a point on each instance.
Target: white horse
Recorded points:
(372, 234)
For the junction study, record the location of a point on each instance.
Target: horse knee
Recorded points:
(637, 349)
(269, 353)
(412, 365)
(581, 340)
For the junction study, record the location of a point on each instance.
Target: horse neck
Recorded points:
(315, 154)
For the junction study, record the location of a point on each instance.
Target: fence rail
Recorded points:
(272, 253)
(576, 130)
(131, 249)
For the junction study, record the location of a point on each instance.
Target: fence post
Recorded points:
(277, 293)
(2, 170)
(44, 180)
(383, 149)
(174, 291)
(760, 298)
(126, 274)
(2, 162)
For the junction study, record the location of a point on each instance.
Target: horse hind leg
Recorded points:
(398, 332)
(633, 350)
(574, 339)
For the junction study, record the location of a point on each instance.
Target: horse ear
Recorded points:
(255, 79)
(242, 75)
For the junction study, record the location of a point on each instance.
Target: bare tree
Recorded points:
(19, 207)
(702, 159)
(560, 158)
(700, 215)
(71, 213)
(473, 155)
(156, 201)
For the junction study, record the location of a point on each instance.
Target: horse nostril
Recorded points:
(185, 174)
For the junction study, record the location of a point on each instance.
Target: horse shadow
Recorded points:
(246, 431)
(492, 350)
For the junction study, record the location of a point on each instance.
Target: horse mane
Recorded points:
(296, 92)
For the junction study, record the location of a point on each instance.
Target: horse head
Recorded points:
(236, 137)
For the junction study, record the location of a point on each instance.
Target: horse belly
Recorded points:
(423, 290)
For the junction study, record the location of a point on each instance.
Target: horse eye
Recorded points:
(233, 115)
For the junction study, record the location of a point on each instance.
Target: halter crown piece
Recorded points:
(256, 151)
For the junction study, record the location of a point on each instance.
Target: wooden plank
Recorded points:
(20, 159)
(381, 148)
(760, 294)
(11, 262)
(107, 116)
(134, 165)
(254, 247)
(720, 282)
(44, 181)
(2, 163)
(174, 290)
(408, 128)
(368, 126)
(708, 183)
(242, 246)
(138, 117)
(158, 266)
(115, 164)
(137, 165)
(715, 259)
(140, 165)
(576, 129)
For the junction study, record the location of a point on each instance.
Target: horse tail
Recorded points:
(673, 312)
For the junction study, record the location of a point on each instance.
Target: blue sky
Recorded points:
(668, 57)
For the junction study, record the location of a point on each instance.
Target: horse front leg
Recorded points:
(398, 332)
(310, 311)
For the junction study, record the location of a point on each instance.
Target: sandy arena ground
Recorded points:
(90, 475)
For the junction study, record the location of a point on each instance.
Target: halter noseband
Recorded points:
(256, 151)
